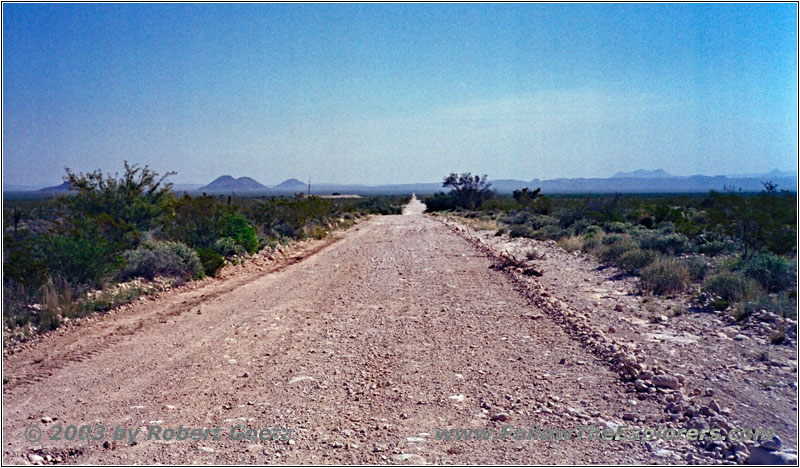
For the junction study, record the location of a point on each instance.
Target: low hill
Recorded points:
(227, 183)
(61, 188)
(291, 185)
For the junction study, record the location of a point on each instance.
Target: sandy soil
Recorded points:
(362, 345)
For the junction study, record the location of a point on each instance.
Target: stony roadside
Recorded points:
(704, 369)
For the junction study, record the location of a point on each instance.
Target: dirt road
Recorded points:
(363, 350)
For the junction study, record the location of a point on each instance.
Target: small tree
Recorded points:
(469, 191)
(122, 207)
(526, 197)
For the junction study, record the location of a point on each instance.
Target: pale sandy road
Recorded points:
(385, 326)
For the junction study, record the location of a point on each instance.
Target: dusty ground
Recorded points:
(362, 349)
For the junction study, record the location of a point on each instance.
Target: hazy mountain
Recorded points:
(641, 173)
(185, 187)
(291, 185)
(61, 188)
(766, 175)
(227, 183)
(640, 181)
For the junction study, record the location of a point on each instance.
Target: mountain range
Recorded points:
(639, 181)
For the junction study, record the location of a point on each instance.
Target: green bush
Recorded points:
(731, 286)
(162, 258)
(636, 259)
(772, 271)
(665, 276)
(239, 229)
(211, 261)
(82, 256)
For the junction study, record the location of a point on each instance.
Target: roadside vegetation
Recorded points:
(104, 243)
(730, 252)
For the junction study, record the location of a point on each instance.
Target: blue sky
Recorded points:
(398, 93)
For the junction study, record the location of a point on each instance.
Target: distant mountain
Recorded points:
(227, 183)
(185, 187)
(62, 188)
(641, 173)
(672, 184)
(291, 185)
(639, 181)
(766, 175)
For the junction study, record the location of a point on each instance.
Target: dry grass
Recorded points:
(571, 243)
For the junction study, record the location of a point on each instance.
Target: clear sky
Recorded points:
(398, 93)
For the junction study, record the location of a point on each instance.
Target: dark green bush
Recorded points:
(665, 276)
(212, 261)
(82, 257)
(238, 228)
(647, 222)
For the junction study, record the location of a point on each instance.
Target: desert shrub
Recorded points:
(720, 304)
(672, 244)
(439, 202)
(772, 271)
(590, 244)
(698, 267)
(316, 232)
(780, 304)
(665, 276)
(516, 218)
(615, 249)
(615, 226)
(162, 258)
(647, 222)
(227, 247)
(570, 243)
(636, 259)
(612, 239)
(520, 231)
(731, 286)
(666, 227)
(548, 232)
(578, 227)
(22, 262)
(82, 256)
(211, 261)
(541, 221)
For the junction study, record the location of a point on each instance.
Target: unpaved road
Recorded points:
(357, 349)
